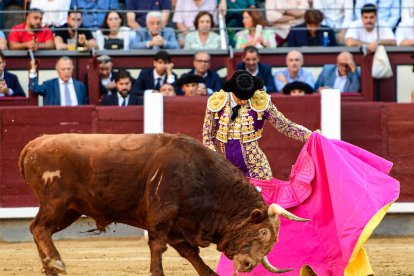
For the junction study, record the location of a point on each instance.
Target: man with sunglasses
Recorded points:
(343, 75)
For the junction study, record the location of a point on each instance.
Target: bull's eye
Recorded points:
(263, 232)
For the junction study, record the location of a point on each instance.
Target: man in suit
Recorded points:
(106, 75)
(154, 36)
(151, 79)
(64, 90)
(9, 84)
(123, 97)
(343, 76)
(251, 63)
(312, 33)
(202, 68)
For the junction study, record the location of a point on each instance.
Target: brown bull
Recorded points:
(184, 194)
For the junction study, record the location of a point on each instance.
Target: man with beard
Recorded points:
(123, 83)
(251, 63)
(367, 32)
(30, 34)
(72, 28)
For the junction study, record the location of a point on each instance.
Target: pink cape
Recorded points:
(349, 187)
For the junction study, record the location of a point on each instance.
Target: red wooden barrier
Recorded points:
(383, 128)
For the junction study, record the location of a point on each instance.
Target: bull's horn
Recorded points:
(271, 268)
(277, 209)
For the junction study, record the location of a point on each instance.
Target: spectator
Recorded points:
(9, 83)
(113, 35)
(234, 16)
(365, 32)
(407, 11)
(343, 76)
(3, 41)
(31, 34)
(201, 68)
(192, 85)
(154, 36)
(251, 63)
(311, 33)
(55, 12)
(405, 33)
(388, 11)
(297, 88)
(203, 37)
(136, 16)
(153, 78)
(3, 6)
(294, 71)
(252, 35)
(167, 90)
(186, 12)
(123, 97)
(69, 30)
(93, 12)
(106, 75)
(337, 15)
(64, 90)
(282, 14)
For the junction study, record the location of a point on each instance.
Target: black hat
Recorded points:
(189, 78)
(243, 85)
(300, 85)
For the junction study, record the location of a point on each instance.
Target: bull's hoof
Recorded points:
(56, 266)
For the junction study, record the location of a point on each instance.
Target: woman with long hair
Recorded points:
(252, 34)
(113, 35)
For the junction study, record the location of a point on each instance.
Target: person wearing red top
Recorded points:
(30, 34)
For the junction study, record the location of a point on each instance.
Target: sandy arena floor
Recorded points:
(97, 256)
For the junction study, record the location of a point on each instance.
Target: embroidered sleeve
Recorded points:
(209, 130)
(284, 125)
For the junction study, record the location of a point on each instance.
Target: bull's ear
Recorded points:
(257, 216)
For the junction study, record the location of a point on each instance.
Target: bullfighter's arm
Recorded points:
(284, 125)
(209, 130)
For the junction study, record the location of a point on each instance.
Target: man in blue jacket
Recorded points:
(343, 75)
(251, 63)
(64, 90)
(154, 36)
(9, 84)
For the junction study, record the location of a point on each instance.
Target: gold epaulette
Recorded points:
(260, 101)
(217, 101)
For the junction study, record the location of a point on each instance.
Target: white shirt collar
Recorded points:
(255, 72)
(70, 81)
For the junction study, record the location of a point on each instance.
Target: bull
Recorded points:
(183, 193)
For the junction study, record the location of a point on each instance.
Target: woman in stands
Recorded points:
(113, 35)
(254, 32)
(203, 37)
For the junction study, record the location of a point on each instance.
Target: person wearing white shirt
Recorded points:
(338, 14)
(55, 11)
(407, 10)
(388, 10)
(405, 33)
(366, 32)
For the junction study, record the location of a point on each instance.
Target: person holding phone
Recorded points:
(9, 83)
(343, 75)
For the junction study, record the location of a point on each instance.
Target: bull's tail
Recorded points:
(22, 158)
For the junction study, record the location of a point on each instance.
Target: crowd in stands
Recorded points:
(194, 24)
